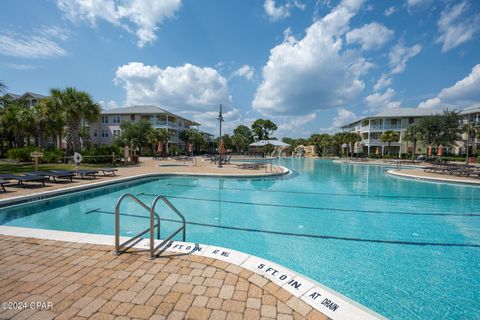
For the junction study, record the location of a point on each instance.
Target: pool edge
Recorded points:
(394, 172)
(287, 279)
(83, 187)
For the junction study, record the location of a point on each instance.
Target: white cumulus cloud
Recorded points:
(389, 11)
(400, 54)
(378, 101)
(186, 88)
(455, 27)
(343, 117)
(107, 105)
(370, 36)
(143, 15)
(464, 93)
(276, 12)
(302, 76)
(245, 71)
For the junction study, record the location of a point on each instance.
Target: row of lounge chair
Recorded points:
(251, 165)
(55, 175)
(454, 169)
(215, 159)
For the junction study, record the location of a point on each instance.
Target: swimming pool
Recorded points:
(406, 249)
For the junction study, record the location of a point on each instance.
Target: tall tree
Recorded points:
(353, 138)
(242, 137)
(441, 129)
(413, 134)
(194, 137)
(135, 135)
(48, 122)
(76, 106)
(390, 136)
(262, 129)
(17, 119)
(324, 140)
(339, 139)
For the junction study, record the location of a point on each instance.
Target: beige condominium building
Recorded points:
(107, 128)
(394, 119)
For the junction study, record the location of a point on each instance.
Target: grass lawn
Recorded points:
(6, 167)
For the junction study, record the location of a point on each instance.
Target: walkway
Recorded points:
(66, 280)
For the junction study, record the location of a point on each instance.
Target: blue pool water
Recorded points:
(406, 249)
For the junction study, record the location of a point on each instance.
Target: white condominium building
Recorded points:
(107, 127)
(394, 119)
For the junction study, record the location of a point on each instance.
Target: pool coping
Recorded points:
(57, 192)
(409, 166)
(394, 172)
(330, 302)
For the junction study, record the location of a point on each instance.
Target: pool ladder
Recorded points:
(123, 247)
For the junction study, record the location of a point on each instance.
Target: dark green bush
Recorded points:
(21, 154)
(52, 156)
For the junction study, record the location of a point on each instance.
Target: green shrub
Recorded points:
(52, 156)
(100, 154)
(21, 154)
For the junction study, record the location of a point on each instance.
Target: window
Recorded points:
(104, 119)
(132, 117)
(104, 133)
(411, 120)
(95, 132)
(180, 123)
(116, 133)
(116, 119)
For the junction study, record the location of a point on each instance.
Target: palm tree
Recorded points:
(48, 122)
(390, 136)
(413, 134)
(3, 87)
(352, 138)
(156, 136)
(339, 139)
(76, 106)
(17, 120)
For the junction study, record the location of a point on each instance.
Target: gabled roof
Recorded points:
(146, 109)
(33, 95)
(10, 95)
(26, 95)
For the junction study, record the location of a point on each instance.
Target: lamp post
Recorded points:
(220, 119)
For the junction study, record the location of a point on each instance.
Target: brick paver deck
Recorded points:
(84, 281)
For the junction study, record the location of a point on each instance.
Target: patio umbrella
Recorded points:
(221, 149)
(190, 148)
(429, 151)
(160, 147)
(440, 151)
(377, 151)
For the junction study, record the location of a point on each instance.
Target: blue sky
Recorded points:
(310, 66)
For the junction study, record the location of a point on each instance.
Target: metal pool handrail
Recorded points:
(153, 249)
(119, 246)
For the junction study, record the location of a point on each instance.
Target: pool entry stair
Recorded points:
(153, 250)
